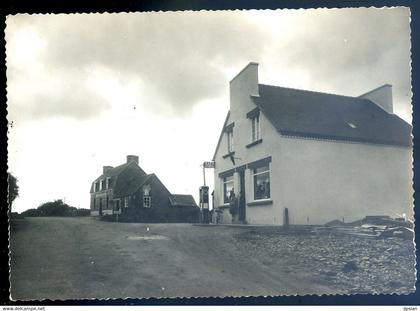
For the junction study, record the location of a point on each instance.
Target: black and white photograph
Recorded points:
(224, 153)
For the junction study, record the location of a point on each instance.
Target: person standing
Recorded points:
(233, 205)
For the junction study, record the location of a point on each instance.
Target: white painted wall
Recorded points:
(325, 180)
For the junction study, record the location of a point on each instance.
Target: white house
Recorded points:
(321, 156)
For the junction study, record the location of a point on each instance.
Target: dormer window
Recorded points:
(255, 128)
(108, 182)
(254, 118)
(101, 185)
(229, 137)
(230, 141)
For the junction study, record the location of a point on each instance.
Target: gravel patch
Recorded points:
(351, 265)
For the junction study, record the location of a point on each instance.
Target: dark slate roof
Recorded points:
(327, 116)
(128, 185)
(182, 200)
(115, 172)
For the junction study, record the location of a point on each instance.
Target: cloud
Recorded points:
(34, 96)
(351, 51)
(181, 58)
(178, 56)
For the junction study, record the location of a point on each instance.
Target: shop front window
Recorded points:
(227, 188)
(261, 183)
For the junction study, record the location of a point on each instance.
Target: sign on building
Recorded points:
(209, 164)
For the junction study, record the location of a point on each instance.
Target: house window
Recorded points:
(230, 141)
(261, 183)
(94, 204)
(101, 185)
(126, 202)
(227, 188)
(256, 130)
(96, 186)
(147, 201)
(117, 208)
(108, 182)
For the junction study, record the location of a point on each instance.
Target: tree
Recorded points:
(32, 212)
(56, 208)
(13, 188)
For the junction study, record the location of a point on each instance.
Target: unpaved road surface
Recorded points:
(68, 258)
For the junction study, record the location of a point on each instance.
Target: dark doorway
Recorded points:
(242, 202)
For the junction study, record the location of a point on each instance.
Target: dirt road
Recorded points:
(64, 258)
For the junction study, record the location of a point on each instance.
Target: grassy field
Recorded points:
(65, 258)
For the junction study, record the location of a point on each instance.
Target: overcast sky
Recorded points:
(85, 90)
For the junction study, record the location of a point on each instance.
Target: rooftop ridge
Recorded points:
(302, 108)
(112, 171)
(309, 91)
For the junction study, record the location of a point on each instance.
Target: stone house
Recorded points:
(133, 195)
(321, 156)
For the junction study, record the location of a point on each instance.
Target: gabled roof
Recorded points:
(128, 185)
(328, 116)
(115, 172)
(128, 178)
(182, 200)
(221, 135)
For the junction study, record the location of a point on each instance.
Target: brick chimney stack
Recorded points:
(106, 168)
(381, 96)
(131, 158)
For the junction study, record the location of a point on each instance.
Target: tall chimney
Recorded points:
(241, 88)
(106, 168)
(131, 158)
(381, 96)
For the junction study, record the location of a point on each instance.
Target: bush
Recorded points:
(30, 213)
(56, 208)
(15, 215)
